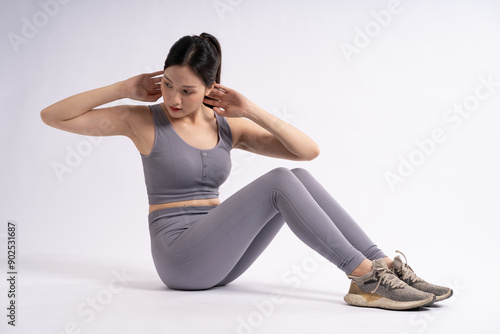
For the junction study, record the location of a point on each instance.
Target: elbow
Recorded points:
(45, 116)
(312, 154)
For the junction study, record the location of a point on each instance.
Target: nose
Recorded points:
(176, 101)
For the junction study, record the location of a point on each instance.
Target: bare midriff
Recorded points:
(193, 202)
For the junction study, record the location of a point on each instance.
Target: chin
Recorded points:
(178, 114)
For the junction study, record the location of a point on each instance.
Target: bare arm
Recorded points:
(262, 132)
(78, 113)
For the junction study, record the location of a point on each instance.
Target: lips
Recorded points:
(174, 109)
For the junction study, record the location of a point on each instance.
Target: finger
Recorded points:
(212, 102)
(157, 73)
(216, 93)
(223, 88)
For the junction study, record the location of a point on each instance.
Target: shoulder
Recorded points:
(138, 111)
(225, 131)
(142, 128)
(236, 126)
(245, 131)
(139, 117)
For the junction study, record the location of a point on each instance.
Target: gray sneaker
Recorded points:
(406, 274)
(383, 289)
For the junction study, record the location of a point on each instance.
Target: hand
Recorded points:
(143, 87)
(227, 102)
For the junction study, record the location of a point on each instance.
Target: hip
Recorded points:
(167, 224)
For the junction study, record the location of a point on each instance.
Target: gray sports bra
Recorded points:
(176, 171)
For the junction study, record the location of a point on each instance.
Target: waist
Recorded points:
(193, 202)
(172, 217)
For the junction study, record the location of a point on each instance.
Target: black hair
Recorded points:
(202, 53)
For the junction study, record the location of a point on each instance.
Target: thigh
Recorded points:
(258, 245)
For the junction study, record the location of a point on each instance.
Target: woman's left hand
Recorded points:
(227, 102)
(261, 132)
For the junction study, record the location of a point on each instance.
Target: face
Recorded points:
(183, 91)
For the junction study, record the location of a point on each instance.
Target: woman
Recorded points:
(198, 242)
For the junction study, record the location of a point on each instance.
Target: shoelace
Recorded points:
(387, 276)
(407, 272)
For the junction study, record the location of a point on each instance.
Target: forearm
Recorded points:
(294, 140)
(79, 104)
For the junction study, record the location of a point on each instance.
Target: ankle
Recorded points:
(389, 262)
(364, 268)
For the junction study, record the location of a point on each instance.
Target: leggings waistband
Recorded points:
(179, 211)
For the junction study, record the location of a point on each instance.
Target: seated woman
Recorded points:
(197, 242)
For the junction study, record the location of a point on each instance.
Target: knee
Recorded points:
(279, 171)
(280, 175)
(281, 179)
(301, 173)
(299, 170)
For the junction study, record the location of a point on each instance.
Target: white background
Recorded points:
(414, 61)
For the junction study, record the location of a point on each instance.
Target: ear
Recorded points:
(209, 89)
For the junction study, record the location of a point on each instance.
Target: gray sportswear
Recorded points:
(200, 247)
(176, 171)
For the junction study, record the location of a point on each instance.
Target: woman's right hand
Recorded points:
(143, 87)
(79, 113)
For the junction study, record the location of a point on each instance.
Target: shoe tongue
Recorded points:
(397, 263)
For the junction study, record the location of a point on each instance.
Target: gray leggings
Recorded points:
(201, 247)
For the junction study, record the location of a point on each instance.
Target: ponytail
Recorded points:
(215, 44)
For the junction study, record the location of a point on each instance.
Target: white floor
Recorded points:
(58, 294)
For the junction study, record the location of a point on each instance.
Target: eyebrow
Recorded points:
(187, 86)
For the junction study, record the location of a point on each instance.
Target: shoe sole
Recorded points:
(385, 303)
(445, 296)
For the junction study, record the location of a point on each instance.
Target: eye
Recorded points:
(168, 85)
(187, 92)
